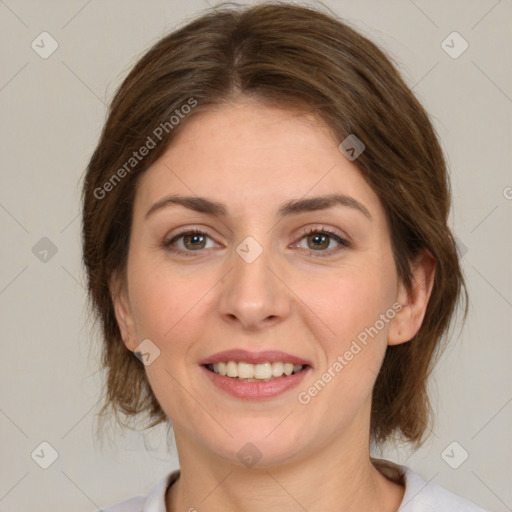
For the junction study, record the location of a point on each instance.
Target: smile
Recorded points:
(268, 379)
(248, 372)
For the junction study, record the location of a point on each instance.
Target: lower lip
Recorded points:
(256, 390)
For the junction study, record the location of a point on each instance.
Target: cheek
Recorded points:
(352, 356)
(163, 301)
(168, 308)
(353, 300)
(357, 308)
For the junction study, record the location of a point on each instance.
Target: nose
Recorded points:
(253, 295)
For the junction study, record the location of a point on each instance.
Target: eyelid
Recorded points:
(191, 230)
(320, 228)
(187, 230)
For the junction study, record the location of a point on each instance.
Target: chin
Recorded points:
(258, 442)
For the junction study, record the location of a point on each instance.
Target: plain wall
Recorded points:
(52, 111)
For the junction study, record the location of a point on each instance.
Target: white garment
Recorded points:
(420, 496)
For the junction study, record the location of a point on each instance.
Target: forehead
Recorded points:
(246, 154)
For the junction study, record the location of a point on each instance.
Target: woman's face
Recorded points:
(254, 280)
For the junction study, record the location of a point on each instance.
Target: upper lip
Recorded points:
(240, 355)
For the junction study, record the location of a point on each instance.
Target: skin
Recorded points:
(252, 158)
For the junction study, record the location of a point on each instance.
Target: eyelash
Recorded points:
(344, 244)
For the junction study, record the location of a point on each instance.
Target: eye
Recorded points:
(193, 240)
(319, 239)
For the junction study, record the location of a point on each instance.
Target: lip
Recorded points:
(240, 355)
(256, 390)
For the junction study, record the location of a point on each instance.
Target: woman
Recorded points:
(265, 229)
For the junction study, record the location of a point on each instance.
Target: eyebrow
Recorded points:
(293, 207)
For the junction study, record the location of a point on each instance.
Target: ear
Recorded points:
(122, 309)
(409, 318)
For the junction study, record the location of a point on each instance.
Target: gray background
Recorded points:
(52, 111)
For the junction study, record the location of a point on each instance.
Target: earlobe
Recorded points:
(408, 320)
(122, 309)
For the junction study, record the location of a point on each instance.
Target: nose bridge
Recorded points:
(252, 292)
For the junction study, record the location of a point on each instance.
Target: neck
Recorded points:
(334, 478)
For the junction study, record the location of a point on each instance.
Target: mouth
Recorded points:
(249, 375)
(262, 372)
(254, 382)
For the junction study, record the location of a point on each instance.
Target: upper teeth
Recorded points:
(255, 371)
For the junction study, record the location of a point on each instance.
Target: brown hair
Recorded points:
(301, 58)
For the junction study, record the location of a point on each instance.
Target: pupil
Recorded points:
(318, 238)
(194, 238)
